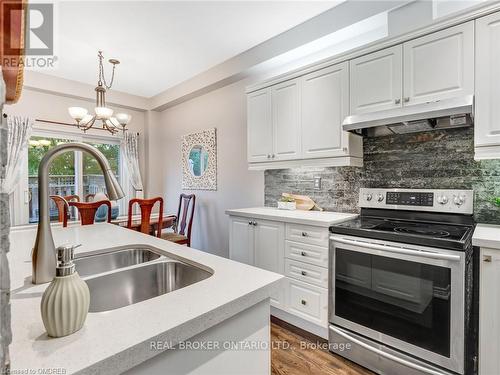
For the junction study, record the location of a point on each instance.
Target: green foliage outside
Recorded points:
(62, 165)
(112, 153)
(65, 163)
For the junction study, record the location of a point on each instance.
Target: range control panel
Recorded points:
(438, 200)
(410, 198)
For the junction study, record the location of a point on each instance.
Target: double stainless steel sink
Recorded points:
(138, 282)
(94, 264)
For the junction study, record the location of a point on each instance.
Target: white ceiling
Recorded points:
(163, 43)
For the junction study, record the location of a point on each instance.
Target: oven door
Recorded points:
(405, 296)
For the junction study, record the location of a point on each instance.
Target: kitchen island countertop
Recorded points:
(114, 341)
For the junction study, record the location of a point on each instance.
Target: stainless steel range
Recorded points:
(399, 294)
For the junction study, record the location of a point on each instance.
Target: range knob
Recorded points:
(442, 199)
(369, 197)
(380, 197)
(459, 200)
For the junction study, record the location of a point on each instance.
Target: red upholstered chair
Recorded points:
(184, 222)
(146, 206)
(62, 206)
(87, 210)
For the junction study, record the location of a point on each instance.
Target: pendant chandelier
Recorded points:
(111, 123)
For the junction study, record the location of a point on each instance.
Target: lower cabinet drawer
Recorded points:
(318, 236)
(307, 272)
(308, 301)
(307, 253)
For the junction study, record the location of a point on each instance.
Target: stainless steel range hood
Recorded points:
(447, 113)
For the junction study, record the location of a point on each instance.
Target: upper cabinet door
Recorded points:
(286, 120)
(487, 99)
(439, 66)
(325, 104)
(376, 81)
(259, 126)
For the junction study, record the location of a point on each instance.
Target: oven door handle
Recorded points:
(385, 354)
(398, 250)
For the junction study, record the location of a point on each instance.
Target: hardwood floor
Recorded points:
(296, 354)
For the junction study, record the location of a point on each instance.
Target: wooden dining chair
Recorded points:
(184, 222)
(62, 206)
(146, 206)
(87, 210)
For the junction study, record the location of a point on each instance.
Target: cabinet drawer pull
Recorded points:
(304, 302)
(303, 273)
(487, 258)
(304, 234)
(397, 101)
(250, 223)
(303, 253)
(406, 99)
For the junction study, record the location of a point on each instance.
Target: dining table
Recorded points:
(168, 221)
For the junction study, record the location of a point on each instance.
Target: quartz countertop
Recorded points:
(316, 218)
(487, 235)
(113, 341)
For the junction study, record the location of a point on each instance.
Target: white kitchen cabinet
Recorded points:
(325, 104)
(489, 311)
(241, 240)
(285, 101)
(259, 126)
(259, 243)
(269, 245)
(306, 115)
(376, 81)
(439, 65)
(487, 96)
(308, 301)
(302, 299)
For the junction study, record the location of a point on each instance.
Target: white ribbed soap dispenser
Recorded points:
(65, 303)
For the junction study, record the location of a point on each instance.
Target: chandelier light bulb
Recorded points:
(103, 113)
(112, 121)
(123, 118)
(86, 119)
(77, 113)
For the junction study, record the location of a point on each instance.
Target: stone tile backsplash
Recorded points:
(441, 159)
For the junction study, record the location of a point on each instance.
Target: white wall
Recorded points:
(224, 109)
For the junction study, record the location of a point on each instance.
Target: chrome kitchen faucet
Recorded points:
(44, 251)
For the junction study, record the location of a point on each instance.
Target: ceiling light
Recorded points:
(78, 113)
(85, 121)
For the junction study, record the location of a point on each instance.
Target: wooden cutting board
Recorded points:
(303, 202)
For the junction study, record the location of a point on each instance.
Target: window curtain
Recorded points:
(130, 152)
(19, 130)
